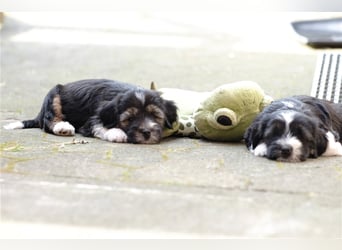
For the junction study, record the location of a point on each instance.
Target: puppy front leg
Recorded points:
(112, 134)
(104, 122)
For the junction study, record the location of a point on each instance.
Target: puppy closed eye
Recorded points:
(297, 130)
(128, 116)
(303, 129)
(158, 117)
(128, 119)
(275, 128)
(156, 112)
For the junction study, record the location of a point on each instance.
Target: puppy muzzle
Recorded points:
(285, 153)
(147, 133)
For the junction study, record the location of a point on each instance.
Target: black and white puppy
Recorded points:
(296, 128)
(106, 109)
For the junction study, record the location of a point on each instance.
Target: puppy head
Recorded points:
(141, 114)
(286, 136)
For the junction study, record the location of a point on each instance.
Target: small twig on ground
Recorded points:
(74, 141)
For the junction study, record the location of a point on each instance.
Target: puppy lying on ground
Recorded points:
(294, 129)
(106, 109)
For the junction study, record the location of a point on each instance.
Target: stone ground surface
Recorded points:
(57, 187)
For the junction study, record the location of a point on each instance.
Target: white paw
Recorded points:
(14, 125)
(260, 150)
(334, 147)
(115, 135)
(63, 128)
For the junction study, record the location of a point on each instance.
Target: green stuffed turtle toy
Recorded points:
(219, 115)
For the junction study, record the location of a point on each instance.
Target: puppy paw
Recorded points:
(334, 147)
(260, 150)
(339, 149)
(64, 129)
(115, 135)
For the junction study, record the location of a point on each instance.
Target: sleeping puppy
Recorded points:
(106, 109)
(296, 128)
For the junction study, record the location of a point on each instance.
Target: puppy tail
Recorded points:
(31, 123)
(23, 124)
(153, 86)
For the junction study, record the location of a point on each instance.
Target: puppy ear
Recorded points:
(153, 86)
(250, 136)
(170, 113)
(255, 133)
(313, 151)
(321, 141)
(324, 113)
(108, 114)
(315, 142)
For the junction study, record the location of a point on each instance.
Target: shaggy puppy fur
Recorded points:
(296, 128)
(106, 109)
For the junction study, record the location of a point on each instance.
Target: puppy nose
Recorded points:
(146, 133)
(286, 151)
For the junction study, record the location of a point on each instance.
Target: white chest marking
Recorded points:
(334, 147)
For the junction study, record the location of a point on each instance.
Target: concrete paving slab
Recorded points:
(182, 187)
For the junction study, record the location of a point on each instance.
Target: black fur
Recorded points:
(88, 103)
(312, 118)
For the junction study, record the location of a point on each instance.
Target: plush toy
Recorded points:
(220, 115)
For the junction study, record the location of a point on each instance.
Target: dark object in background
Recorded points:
(320, 33)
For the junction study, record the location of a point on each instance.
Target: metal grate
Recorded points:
(327, 82)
